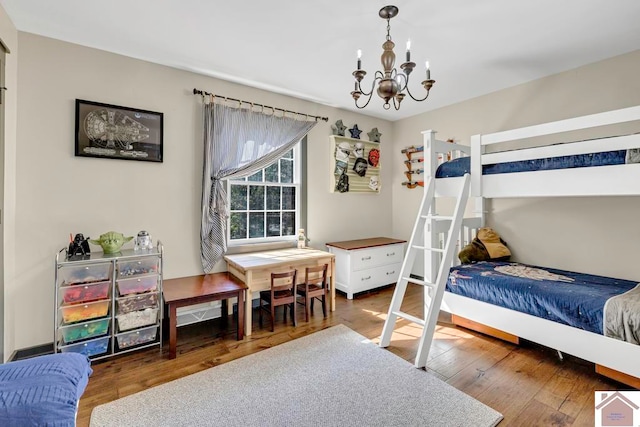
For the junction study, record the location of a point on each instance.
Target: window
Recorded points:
(266, 205)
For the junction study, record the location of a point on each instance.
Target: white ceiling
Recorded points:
(308, 49)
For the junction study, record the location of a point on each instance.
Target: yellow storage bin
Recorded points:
(82, 312)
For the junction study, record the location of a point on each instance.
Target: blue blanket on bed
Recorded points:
(561, 296)
(460, 166)
(44, 390)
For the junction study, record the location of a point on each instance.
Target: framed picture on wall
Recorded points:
(115, 132)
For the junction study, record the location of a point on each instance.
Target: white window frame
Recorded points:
(297, 184)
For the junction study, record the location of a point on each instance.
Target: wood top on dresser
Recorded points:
(349, 245)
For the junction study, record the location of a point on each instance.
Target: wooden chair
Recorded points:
(282, 292)
(315, 286)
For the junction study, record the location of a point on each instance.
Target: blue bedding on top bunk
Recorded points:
(460, 166)
(44, 390)
(573, 299)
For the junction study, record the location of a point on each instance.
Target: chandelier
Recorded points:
(392, 85)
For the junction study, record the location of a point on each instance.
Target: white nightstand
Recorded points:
(366, 264)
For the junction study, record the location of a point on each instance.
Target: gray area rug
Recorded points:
(334, 377)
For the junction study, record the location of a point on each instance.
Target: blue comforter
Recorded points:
(573, 299)
(44, 390)
(460, 166)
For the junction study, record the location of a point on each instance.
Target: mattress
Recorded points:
(44, 390)
(462, 165)
(565, 297)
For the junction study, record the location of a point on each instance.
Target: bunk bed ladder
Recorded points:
(434, 290)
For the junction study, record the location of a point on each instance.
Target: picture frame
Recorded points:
(117, 132)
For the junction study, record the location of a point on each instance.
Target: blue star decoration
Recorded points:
(374, 135)
(338, 128)
(355, 132)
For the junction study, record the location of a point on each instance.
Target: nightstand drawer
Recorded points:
(374, 257)
(374, 277)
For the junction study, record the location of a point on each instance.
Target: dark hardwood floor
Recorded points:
(528, 384)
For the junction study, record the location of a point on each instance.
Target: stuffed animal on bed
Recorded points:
(486, 246)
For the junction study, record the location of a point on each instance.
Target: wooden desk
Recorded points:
(255, 270)
(187, 291)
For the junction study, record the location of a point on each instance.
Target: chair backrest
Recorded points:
(316, 275)
(283, 281)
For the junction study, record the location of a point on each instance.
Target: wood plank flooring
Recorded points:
(527, 383)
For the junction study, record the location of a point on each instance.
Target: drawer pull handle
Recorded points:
(365, 258)
(391, 272)
(366, 278)
(391, 254)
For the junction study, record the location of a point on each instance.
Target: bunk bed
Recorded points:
(591, 166)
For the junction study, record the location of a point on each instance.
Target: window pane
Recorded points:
(286, 171)
(256, 198)
(273, 198)
(264, 206)
(238, 225)
(288, 198)
(256, 224)
(238, 197)
(273, 223)
(271, 173)
(256, 177)
(288, 223)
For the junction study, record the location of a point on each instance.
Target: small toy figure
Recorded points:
(111, 241)
(143, 241)
(302, 240)
(79, 246)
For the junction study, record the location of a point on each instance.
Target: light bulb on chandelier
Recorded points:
(392, 85)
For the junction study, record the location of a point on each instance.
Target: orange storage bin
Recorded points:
(81, 312)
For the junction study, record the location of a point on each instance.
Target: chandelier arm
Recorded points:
(396, 105)
(417, 99)
(373, 85)
(368, 100)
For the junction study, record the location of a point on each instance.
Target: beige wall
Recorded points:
(9, 37)
(596, 235)
(50, 193)
(58, 193)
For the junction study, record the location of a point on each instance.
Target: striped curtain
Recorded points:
(237, 143)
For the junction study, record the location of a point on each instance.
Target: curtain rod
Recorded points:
(203, 93)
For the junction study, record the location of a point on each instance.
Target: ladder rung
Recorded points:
(409, 317)
(424, 248)
(419, 282)
(449, 217)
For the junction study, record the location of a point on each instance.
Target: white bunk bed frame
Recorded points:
(613, 358)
